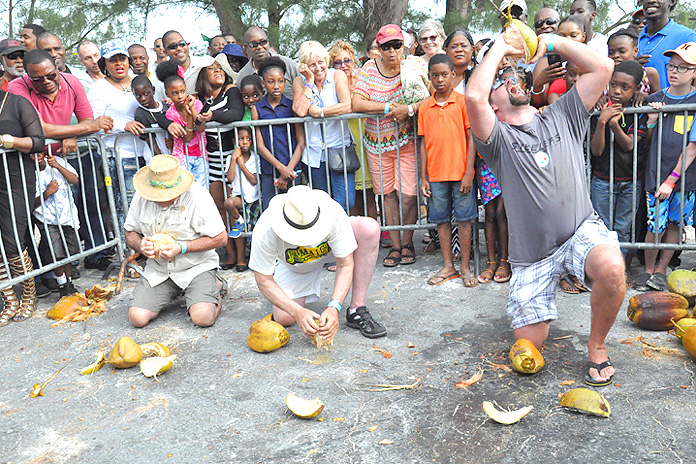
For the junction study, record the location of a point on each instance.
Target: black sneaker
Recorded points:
(362, 320)
(101, 264)
(67, 289)
(75, 273)
(50, 283)
(41, 289)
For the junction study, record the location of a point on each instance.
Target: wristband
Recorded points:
(333, 303)
(386, 107)
(183, 247)
(651, 126)
(549, 42)
(676, 174)
(308, 85)
(669, 184)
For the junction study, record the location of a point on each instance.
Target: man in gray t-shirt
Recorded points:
(538, 160)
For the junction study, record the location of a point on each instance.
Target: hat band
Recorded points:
(302, 226)
(165, 185)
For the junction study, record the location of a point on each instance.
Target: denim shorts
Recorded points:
(670, 210)
(446, 199)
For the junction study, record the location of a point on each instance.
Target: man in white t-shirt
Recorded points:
(587, 10)
(293, 238)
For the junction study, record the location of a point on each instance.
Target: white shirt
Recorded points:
(196, 62)
(60, 207)
(598, 43)
(241, 187)
(192, 215)
(269, 250)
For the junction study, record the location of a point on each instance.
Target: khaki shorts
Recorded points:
(202, 289)
(398, 171)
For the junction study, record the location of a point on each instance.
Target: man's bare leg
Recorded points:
(366, 231)
(535, 333)
(283, 317)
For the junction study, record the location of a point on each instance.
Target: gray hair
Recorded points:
(432, 25)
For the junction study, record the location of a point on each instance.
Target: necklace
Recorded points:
(112, 82)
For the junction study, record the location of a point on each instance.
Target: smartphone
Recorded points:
(553, 58)
(206, 107)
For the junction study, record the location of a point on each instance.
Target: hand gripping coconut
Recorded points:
(519, 35)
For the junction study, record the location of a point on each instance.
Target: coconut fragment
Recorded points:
(96, 365)
(152, 367)
(586, 401)
(302, 408)
(505, 417)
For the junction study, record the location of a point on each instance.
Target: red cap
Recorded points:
(389, 32)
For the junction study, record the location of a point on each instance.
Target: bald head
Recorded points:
(546, 15)
(256, 44)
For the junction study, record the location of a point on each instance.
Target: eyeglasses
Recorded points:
(50, 77)
(257, 43)
(174, 46)
(395, 44)
(159, 46)
(338, 63)
(638, 21)
(548, 21)
(431, 38)
(15, 55)
(680, 68)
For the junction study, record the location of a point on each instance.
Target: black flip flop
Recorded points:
(592, 382)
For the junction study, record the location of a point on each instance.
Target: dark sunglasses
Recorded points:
(338, 63)
(262, 43)
(13, 56)
(50, 77)
(174, 46)
(548, 21)
(395, 44)
(637, 21)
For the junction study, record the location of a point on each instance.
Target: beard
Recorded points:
(519, 99)
(13, 71)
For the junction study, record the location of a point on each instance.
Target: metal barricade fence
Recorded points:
(311, 176)
(95, 208)
(631, 115)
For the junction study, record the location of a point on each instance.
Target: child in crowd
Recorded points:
(573, 28)
(279, 153)
(447, 168)
(150, 114)
(185, 111)
(251, 88)
(624, 83)
(623, 46)
(57, 215)
(681, 72)
(572, 72)
(244, 202)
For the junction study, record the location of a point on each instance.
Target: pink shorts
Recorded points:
(396, 174)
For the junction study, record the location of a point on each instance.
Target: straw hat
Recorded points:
(303, 216)
(162, 180)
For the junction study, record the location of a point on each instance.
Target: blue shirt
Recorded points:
(280, 147)
(668, 38)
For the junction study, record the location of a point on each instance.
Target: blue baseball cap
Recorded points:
(236, 51)
(113, 47)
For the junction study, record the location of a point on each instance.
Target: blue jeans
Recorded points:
(197, 165)
(623, 204)
(447, 201)
(338, 184)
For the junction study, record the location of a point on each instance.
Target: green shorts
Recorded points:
(202, 289)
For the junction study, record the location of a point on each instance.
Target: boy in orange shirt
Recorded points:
(447, 167)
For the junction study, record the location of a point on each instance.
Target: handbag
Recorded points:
(337, 162)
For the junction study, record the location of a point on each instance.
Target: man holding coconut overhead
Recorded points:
(538, 159)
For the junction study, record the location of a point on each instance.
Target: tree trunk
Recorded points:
(229, 13)
(381, 12)
(455, 13)
(275, 15)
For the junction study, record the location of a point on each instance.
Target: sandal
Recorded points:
(469, 280)
(438, 279)
(589, 380)
(410, 258)
(392, 261)
(26, 310)
(7, 314)
(570, 287)
(486, 277)
(503, 273)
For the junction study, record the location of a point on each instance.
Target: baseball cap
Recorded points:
(505, 4)
(8, 46)
(113, 47)
(389, 32)
(686, 51)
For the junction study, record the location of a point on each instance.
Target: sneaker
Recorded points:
(41, 289)
(67, 289)
(74, 272)
(362, 320)
(237, 229)
(51, 284)
(385, 240)
(101, 264)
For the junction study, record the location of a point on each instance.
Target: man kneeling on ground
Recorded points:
(292, 239)
(167, 201)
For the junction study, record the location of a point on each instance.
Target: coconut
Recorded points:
(689, 341)
(302, 408)
(96, 365)
(682, 325)
(525, 357)
(586, 401)
(521, 36)
(266, 336)
(154, 366)
(161, 240)
(126, 353)
(66, 306)
(155, 349)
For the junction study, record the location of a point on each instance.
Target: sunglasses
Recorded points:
(548, 21)
(174, 46)
(13, 56)
(50, 77)
(395, 44)
(255, 44)
(637, 21)
(338, 63)
(432, 38)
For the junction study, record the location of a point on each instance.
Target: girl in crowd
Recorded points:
(431, 36)
(279, 153)
(322, 92)
(623, 46)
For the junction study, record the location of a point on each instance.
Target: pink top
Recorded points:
(71, 98)
(196, 147)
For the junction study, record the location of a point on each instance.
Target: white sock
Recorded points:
(61, 279)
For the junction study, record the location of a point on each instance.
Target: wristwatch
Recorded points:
(411, 111)
(7, 141)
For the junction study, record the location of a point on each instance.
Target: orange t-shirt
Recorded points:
(444, 127)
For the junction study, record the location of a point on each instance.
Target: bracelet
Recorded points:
(539, 92)
(333, 303)
(549, 42)
(651, 126)
(308, 85)
(183, 247)
(189, 130)
(322, 112)
(676, 174)
(669, 184)
(307, 95)
(386, 107)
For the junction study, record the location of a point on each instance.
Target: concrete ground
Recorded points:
(221, 402)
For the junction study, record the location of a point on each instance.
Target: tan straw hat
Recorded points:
(162, 180)
(303, 216)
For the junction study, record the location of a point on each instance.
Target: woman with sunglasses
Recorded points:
(213, 84)
(389, 140)
(431, 36)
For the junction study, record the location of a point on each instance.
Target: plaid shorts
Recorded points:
(533, 288)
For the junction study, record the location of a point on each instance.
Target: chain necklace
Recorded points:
(112, 82)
